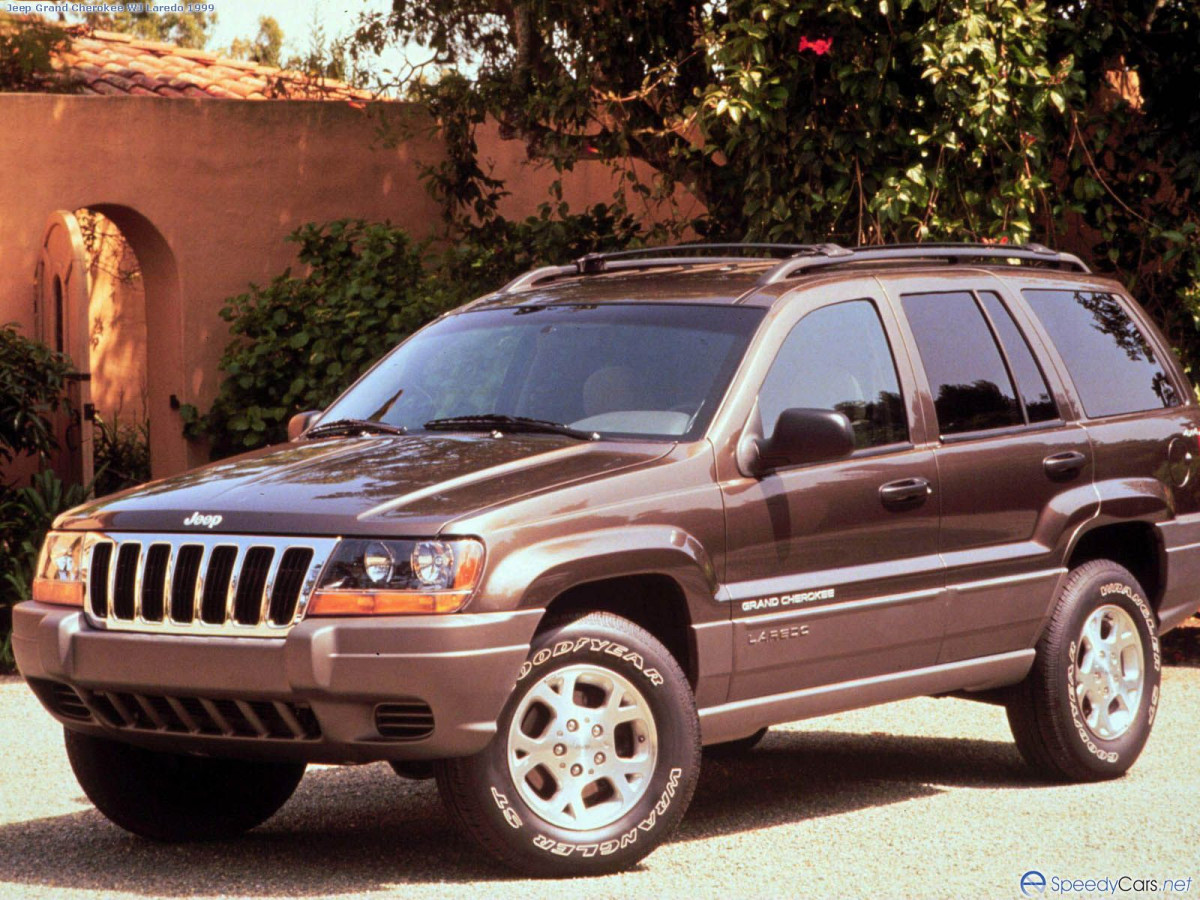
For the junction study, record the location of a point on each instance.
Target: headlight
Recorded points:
(375, 578)
(58, 578)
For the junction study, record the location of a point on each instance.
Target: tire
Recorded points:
(1086, 708)
(175, 798)
(735, 748)
(598, 702)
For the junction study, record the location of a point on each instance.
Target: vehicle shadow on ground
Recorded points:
(363, 829)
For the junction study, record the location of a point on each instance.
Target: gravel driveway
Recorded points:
(925, 798)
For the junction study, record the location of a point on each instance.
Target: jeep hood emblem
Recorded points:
(199, 520)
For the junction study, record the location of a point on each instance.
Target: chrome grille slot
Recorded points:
(216, 585)
(183, 582)
(154, 575)
(98, 588)
(125, 581)
(202, 584)
(286, 590)
(247, 604)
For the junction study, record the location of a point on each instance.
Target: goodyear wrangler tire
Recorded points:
(595, 757)
(172, 797)
(1085, 711)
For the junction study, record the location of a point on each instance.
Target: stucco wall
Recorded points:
(206, 192)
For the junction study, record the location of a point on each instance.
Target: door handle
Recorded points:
(1064, 465)
(905, 493)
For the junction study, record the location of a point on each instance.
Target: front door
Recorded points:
(61, 313)
(833, 569)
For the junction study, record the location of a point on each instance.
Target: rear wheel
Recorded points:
(172, 797)
(595, 757)
(1085, 710)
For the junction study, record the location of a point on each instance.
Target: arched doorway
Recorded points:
(112, 289)
(61, 312)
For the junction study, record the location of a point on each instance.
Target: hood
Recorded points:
(409, 485)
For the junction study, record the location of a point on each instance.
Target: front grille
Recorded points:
(201, 584)
(204, 716)
(408, 720)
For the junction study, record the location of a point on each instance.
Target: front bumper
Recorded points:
(314, 695)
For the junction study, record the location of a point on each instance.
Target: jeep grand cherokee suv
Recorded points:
(565, 535)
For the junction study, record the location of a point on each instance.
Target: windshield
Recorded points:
(636, 370)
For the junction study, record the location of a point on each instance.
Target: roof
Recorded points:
(105, 62)
(661, 275)
(718, 283)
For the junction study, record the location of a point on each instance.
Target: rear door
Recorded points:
(832, 568)
(1015, 470)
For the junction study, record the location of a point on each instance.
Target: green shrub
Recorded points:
(32, 378)
(300, 340)
(121, 455)
(26, 514)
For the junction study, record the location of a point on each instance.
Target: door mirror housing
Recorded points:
(805, 436)
(301, 422)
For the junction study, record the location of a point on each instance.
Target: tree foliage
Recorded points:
(858, 121)
(265, 48)
(27, 51)
(187, 29)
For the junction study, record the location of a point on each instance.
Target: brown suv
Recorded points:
(568, 533)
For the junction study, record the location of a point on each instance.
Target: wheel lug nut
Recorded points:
(572, 725)
(577, 770)
(559, 749)
(597, 731)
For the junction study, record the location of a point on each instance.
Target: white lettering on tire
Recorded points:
(592, 645)
(510, 814)
(606, 848)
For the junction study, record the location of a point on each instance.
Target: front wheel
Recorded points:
(172, 797)
(595, 757)
(1085, 711)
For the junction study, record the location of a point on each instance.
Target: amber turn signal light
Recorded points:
(384, 603)
(58, 593)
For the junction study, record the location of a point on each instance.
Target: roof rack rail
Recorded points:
(650, 257)
(828, 255)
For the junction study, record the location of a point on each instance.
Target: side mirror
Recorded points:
(300, 422)
(806, 436)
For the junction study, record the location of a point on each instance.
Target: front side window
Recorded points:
(972, 389)
(838, 357)
(1111, 363)
(620, 370)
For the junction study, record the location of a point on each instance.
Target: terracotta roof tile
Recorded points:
(106, 62)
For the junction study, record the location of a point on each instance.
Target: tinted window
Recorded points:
(616, 369)
(1031, 383)
(971, 387)
(838, 358)
(1110, 360)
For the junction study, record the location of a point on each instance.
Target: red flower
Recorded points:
(820, 46)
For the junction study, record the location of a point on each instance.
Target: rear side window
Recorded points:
(1111, 362)
(1031, 383)
(838, 357)
(972, 390)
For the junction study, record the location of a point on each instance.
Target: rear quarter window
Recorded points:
(1111, 362)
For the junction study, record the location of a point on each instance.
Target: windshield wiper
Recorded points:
(497, 422)
(353, 426)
